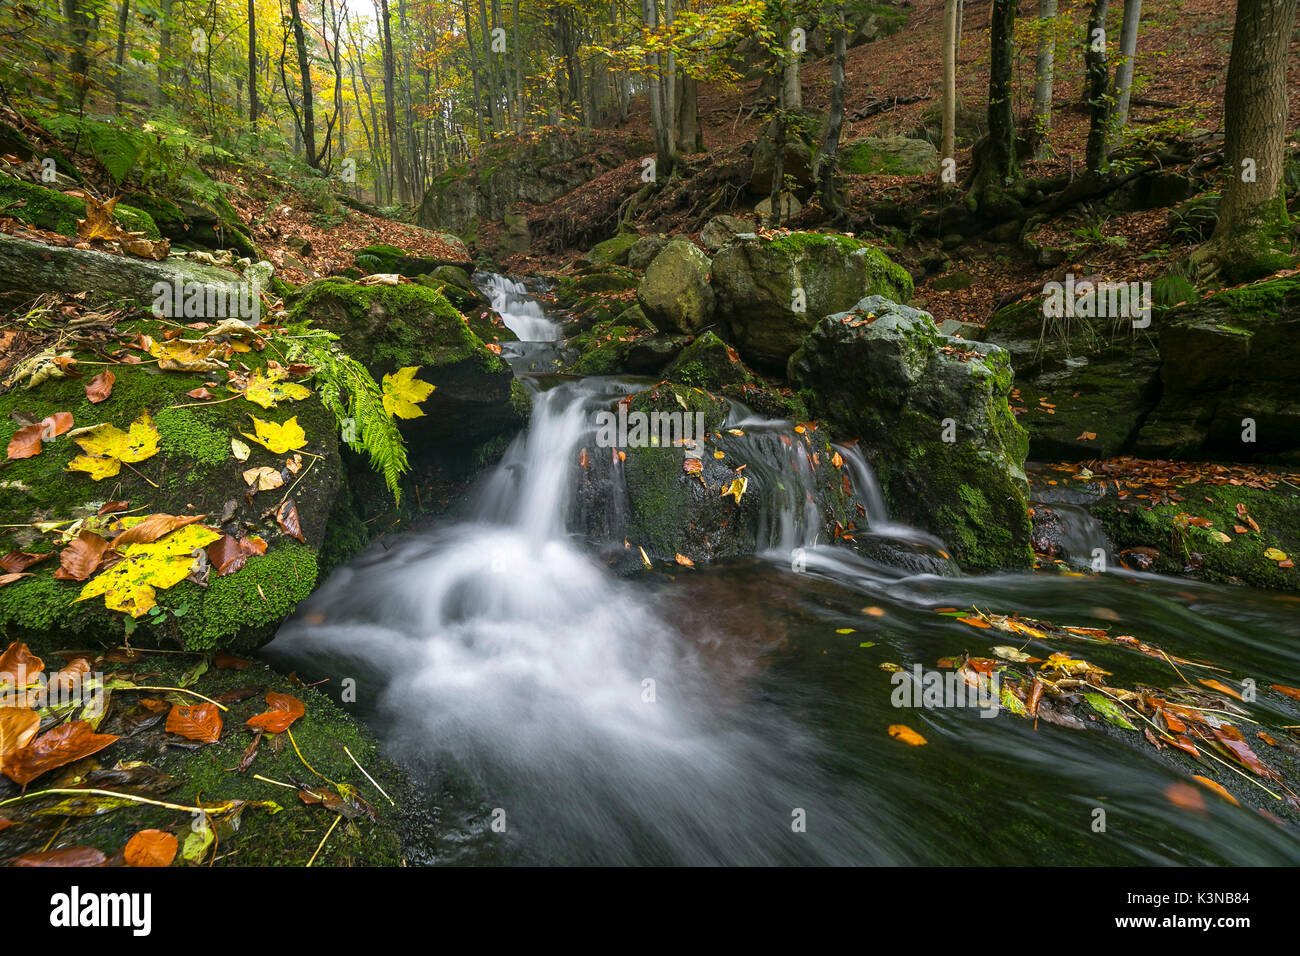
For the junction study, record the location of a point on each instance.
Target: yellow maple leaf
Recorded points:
(280, 439)
(403, 392)
(130, 585)
(181, 355)
(99, 223)
(265, 388)
(107, 447)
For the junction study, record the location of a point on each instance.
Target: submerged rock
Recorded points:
(932, 416)
(771, 292)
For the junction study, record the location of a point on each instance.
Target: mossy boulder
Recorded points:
(193, 473)
(58, 212)
(718, 230)
(708, 363)
(457, 287)
(388, 327)
(391, 259)
(1077, 378)
(1228, 377)
(932, 416)
(888, 155)
(1184, 547)
(675, 293)
(614, 250)
(772, 292)
(603, 349)
(805, 130)
(644, 250)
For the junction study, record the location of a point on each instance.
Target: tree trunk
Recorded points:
(1128, 40)
(690, 137)
(519, 71)
(791, 82)
(304, 71)
(252, 63)
(1044, 75)
(948, 133)
(494, 92)
(1097, 84)
(996, 160)
(1249, 239)
(390, 108)
(473, 69)
(119, 59)
(164, 46)
(660, 120)
(835, 124)
(78, 60)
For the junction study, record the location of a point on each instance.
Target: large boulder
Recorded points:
(709, 363)
(932, 416)
(644, 250)
(771, 292)
(1085, 385)
(614, 249)
(889, 155)
(390, 259)
(1228, 377)
(675, 293)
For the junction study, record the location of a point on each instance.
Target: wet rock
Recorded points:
(932, 416)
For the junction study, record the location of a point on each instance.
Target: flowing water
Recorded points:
(555, 712)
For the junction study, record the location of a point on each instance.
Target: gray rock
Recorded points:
(644, 250)
(719, 229)
(675, 293)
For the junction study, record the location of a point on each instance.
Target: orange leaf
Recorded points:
(26, 443)
(152, 528)
(1216, 787)
(64, 856)
(285, 709)
(201, 723)
(907, 735)
(79, 560)
(287, 518)
(1289, 691)
(19, 663)
(684, 561)
(53, 749)
(16, 561)
(1186, 796)
(151, 848)
(974, 622)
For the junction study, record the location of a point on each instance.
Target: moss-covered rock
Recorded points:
(771, 292)
(207, 774)
(708, 363)
(193, 473)
(390, 259)
(1228, 377)
(1077, 378)
(57, 212)
(888, 155)
(613, 250)
(933, 419)
(1197, 548)
(675, 293)
(388, 327)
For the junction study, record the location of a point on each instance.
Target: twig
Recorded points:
(324, 838)
(368, 777)
(179, 690)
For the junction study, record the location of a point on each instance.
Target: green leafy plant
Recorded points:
(356, 400)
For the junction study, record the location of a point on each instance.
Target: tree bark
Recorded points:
(390, 108)
(1128, 39)
(996, 159)
(1044, 75)
(1249, 239)
(252, 62)
(1097, 84)
(835, 124)
(308, 121)
(948, 131)
(119, 59)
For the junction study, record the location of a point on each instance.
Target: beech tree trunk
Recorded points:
(1044, 75)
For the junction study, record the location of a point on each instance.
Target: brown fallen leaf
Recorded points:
(263, 479)
(151, 848)
(286, 516)
(199, 393)
(82, 558)
(111, 507)
(16, 561)
(223, 661)
(19, 663)
(228, 554)
(201, 722)
(100, 387)
(1215, 787)
(18, 727)
(285, 709)
(26, 443)
(11, 578)
(684, 561)
(152, 528)
(1186, 796)
(54, 749)
(64, 856)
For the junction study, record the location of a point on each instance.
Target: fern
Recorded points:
(356, 400)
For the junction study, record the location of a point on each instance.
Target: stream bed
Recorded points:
(553, 711)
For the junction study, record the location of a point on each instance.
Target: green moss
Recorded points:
(183, 433)
(55, 212)
(1130, 524)
(394, 326)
